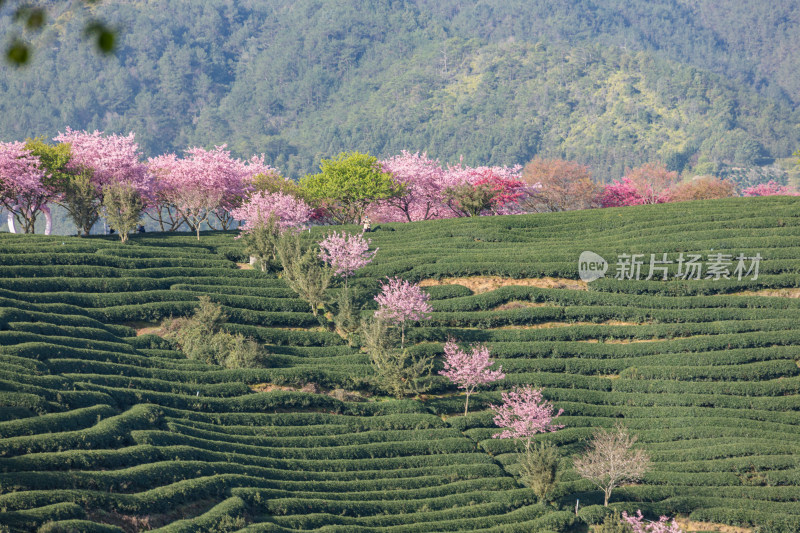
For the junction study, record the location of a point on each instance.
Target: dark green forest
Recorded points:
(702, 86)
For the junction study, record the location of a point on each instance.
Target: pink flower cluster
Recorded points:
(401, 301)
(110, 158)
(22, 189)
(426, 181)
(524, 413)
(640, 525)
(20, 173)
(770, 188)
(289, 211)
(621, 193)
(469, 369)
(346, 253)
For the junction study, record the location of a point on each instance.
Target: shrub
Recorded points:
(122, 207)
(304, 272)
(200, 337)
(398, 372)
(539, 469)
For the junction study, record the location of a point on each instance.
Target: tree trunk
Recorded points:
(48, 219)
(466, 405)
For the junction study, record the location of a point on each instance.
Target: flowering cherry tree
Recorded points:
(474, 191)
(701, 188)
(199, 184)
(652, 181)
(424, 183)
(346, 253)
(640, 525)
(431, 192)
(110, 158)
(237, 194)
(470, 369)
(647, 184)
(96, 162)
(524, 413)
(558, 185)
(22, 189)
(771, 188)
(400, 302)
(620, 193)
(289, 212)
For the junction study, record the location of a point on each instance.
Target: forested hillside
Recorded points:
(611, 84)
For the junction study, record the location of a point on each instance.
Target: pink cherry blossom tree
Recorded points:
(266, 216)
(639, 525)
(346, 253)
(470, 369)
(620, 193)
(647, 184)
(771, 188)
(424, 183)
(97, 161)
(400, 302)
(289, 212)
(110, 158)
(199, 184)
(474, 191)
(23, 192)
(524, 413)
(238, 192)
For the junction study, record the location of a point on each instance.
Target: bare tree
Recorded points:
(611, 460)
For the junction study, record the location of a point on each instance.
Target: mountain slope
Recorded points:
(497, 82)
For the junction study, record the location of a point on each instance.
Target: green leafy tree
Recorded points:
(201, 337)
(471, 200)
(122, 207)
(539, 469)
(304, 272)
(347, 184)
(81, 201)
(54, 159)
(398, 372)
(261, 242)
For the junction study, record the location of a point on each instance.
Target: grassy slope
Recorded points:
(129, 430)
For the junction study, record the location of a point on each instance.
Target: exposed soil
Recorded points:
(339, 394)
(134, 523)
(244, 266)
(630, 341)
(691, 525)
(522, 305)
(779, 293)
(481, 284)
(145, 328)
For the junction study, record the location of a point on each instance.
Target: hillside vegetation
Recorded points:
(106, 426)
(611, 84)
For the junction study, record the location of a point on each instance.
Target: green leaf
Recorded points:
(18, 52)
(105, 38)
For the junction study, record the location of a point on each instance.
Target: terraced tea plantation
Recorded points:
(104, 426)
